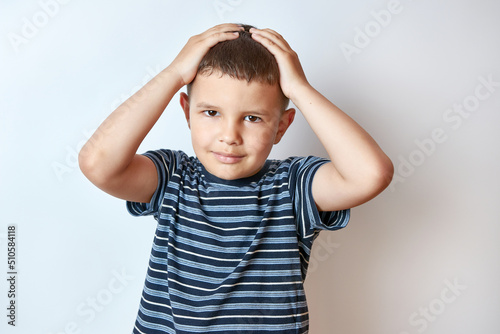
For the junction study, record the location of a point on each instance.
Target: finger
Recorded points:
(224, 28)
(216, 35)
(269, 44)
(273, 38)
(223, 32)
(268, 32)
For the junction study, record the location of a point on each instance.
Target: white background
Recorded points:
(423, 257)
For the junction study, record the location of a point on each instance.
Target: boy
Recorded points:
(235, 230)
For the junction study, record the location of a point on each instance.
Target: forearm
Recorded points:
(114, 144)
(354, 153)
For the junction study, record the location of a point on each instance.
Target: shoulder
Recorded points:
(295, 163)
(166, 155)
(169, 160)
(296, 172)
(174, 166)
(303, 166)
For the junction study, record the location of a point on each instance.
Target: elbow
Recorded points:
(86, 162)
(375, 179)
(382, 175)
(89, 166)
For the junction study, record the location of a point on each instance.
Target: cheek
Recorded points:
(262, 140)
(200, 133)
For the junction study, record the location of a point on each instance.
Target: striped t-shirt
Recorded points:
(230, 256)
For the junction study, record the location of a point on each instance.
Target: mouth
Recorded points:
(227, 158)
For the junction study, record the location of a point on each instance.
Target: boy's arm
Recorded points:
(109, 158)
(359, 170)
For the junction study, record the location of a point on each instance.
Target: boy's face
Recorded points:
(234, 124)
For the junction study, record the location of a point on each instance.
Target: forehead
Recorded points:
(226, 92)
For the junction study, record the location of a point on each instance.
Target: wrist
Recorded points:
(172, 77)
(300, 92)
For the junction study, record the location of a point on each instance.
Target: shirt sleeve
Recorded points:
(165, 162)
(309, 219)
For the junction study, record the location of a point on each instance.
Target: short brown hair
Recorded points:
(242, 58)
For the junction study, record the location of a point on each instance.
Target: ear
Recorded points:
(184, 100)
(285, 121)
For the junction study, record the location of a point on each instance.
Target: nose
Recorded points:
(230, 133)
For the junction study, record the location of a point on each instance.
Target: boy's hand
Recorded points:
(187, 61)
(291, 73)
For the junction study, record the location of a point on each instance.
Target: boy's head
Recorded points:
(244, 59)
(236, 109)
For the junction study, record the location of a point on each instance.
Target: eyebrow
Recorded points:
(208, 106)
(205, 105)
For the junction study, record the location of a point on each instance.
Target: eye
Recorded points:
(211, 113)
(253, 119)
